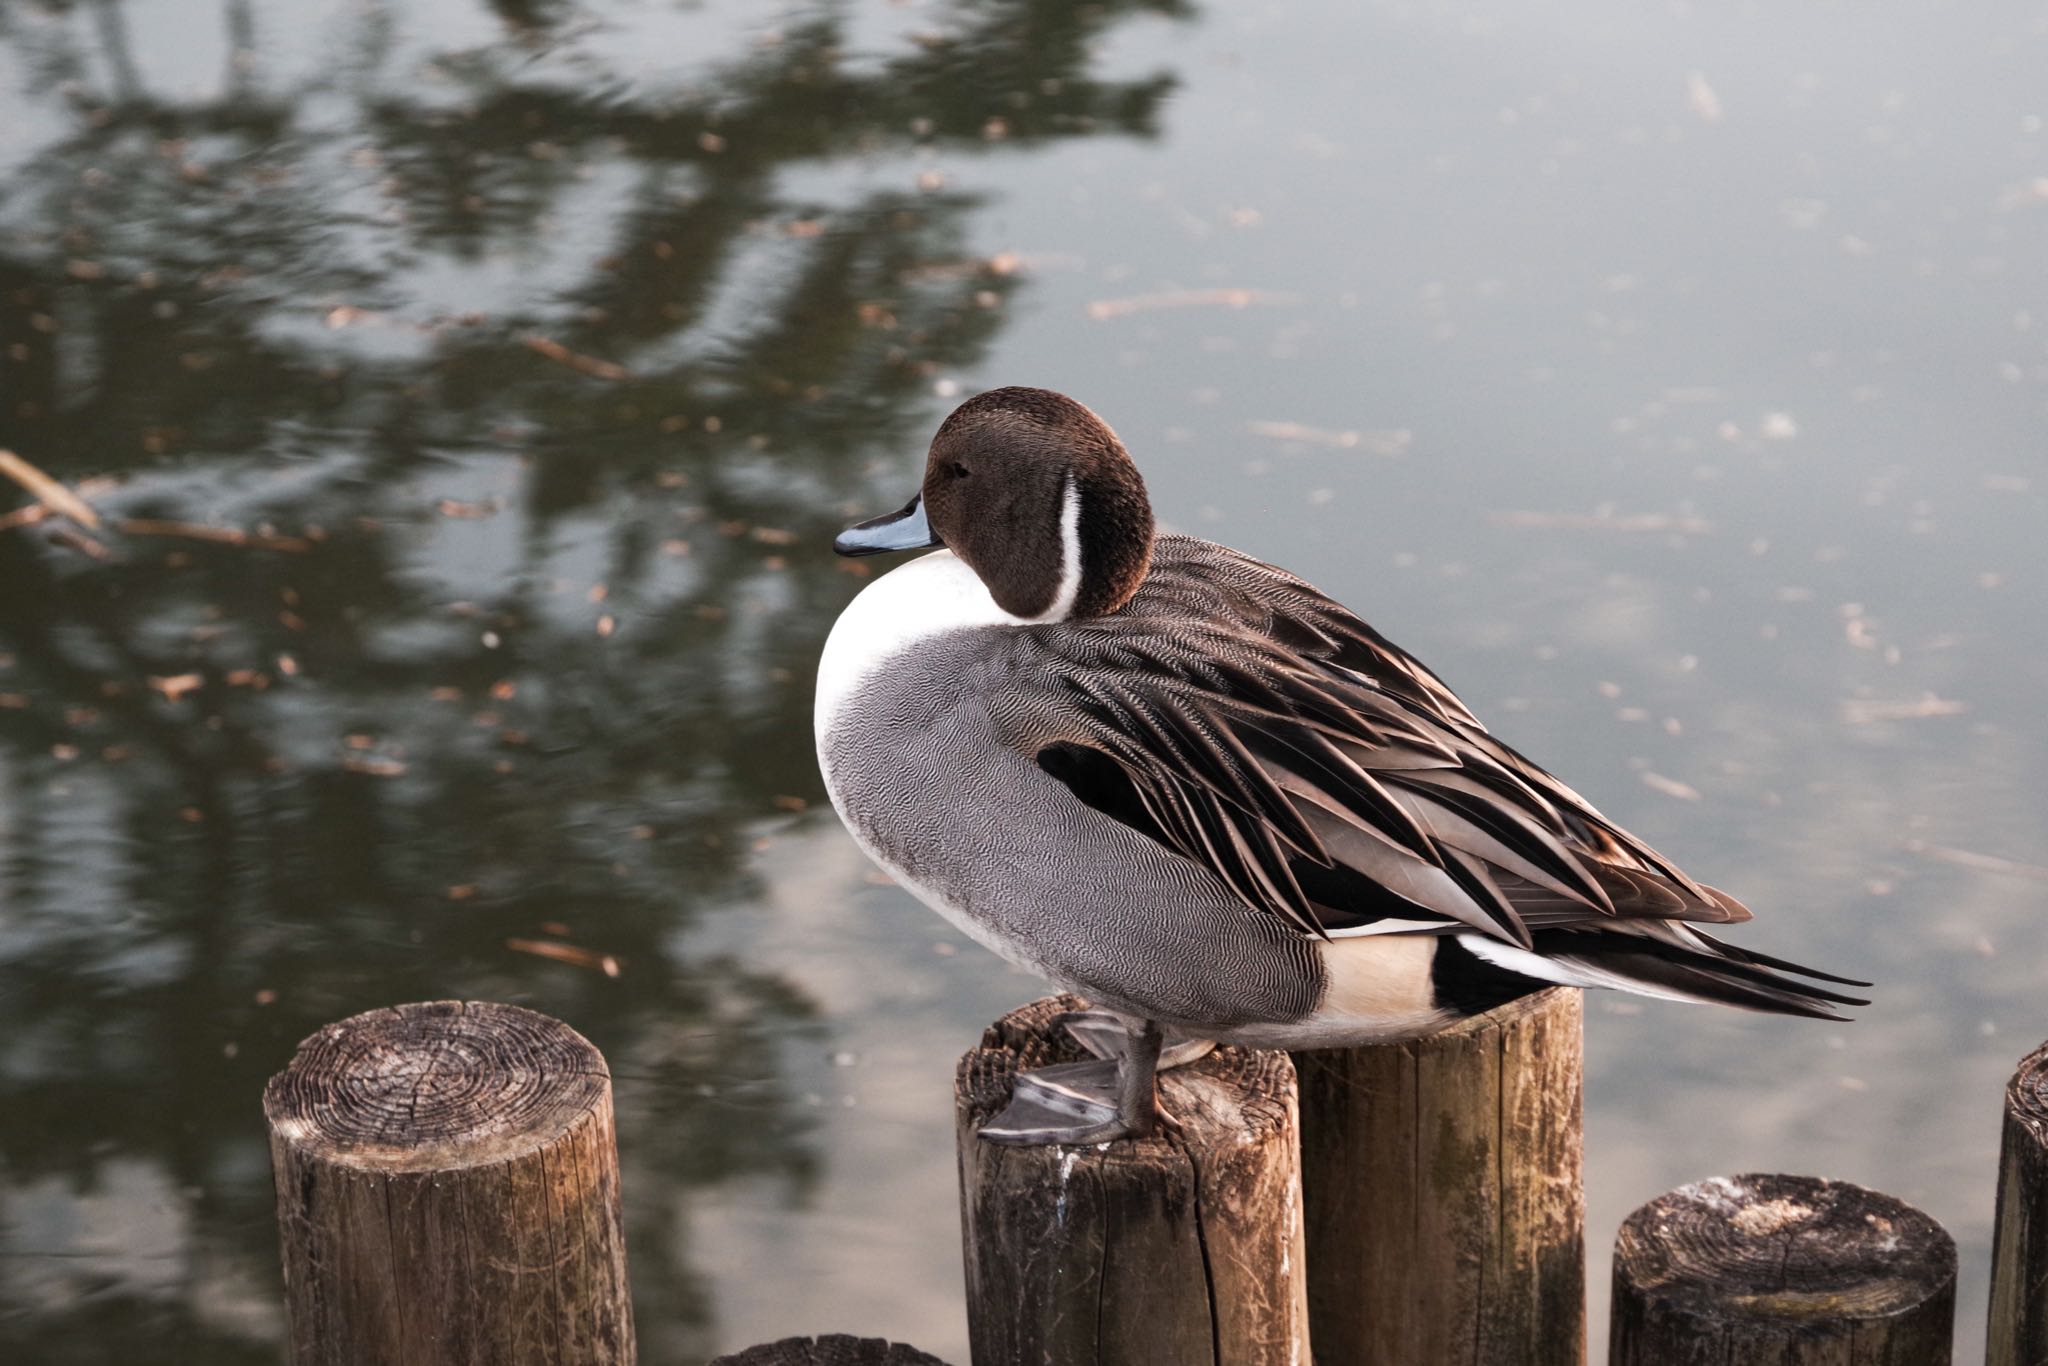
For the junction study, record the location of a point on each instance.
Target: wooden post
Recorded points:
(1782, 1271)
(2019, 1261)
(448, 1192)
(832, 1349)
(1440, 1180)
(1184, 1250)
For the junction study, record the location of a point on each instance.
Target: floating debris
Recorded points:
(1389, 443)
(1981, 863)
(81, 542)
(176, 686)
(566, 953)
(1701, 99)
(1184, 298)
(219, 535)
(1865, 711)
(1603, 521)
(1670, 787)
(51, 493)
(562, 355)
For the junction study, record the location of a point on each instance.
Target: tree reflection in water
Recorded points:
(526, 653)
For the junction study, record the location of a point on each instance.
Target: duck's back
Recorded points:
(1221, 802)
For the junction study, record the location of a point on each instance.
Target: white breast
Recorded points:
(929, 596)
(896, 613)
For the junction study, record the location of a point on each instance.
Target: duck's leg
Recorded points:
(1088, 1102)
(1106, 1036)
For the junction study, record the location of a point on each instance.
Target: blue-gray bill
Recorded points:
(905, 529)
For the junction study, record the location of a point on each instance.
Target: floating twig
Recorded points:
(1184, 298)
(575, 360)
(1863, 711)
(1378, 443)
(80, 542)
(1602, 521)
(566, 953)
(220, 535)
(1982, 863)
(51, 493)
(1670, 787)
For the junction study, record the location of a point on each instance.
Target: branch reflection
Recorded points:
(541, 358)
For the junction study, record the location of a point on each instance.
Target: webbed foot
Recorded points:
(1069, 1102)
(1114, 1097)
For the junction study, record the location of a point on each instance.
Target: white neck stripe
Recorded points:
(928, 597)
(1070, 557)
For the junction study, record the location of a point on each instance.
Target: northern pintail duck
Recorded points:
(1186, 785)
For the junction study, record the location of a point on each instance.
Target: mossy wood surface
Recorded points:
(1441, 1185)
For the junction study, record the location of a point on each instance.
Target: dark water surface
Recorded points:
(1673, 380)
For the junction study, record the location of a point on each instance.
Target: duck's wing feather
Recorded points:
(1253, 725)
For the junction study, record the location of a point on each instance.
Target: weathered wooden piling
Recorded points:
(830, 1349)
(1170, 1249)
(1781, 1271)
(448, 1192)
(2019, 1261)
(1441, 1188)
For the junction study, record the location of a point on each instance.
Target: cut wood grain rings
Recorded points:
(1770, 1269)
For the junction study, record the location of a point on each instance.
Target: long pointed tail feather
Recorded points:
(1627, 962)
(1742, 955)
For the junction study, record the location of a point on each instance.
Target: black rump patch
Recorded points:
(1468, 984)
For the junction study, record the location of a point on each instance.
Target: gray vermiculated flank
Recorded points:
(934, 762)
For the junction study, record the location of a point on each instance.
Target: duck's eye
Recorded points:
(959, 470)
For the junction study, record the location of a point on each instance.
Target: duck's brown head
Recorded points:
(1040, 499)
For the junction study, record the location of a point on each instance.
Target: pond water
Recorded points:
(1671, 378)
